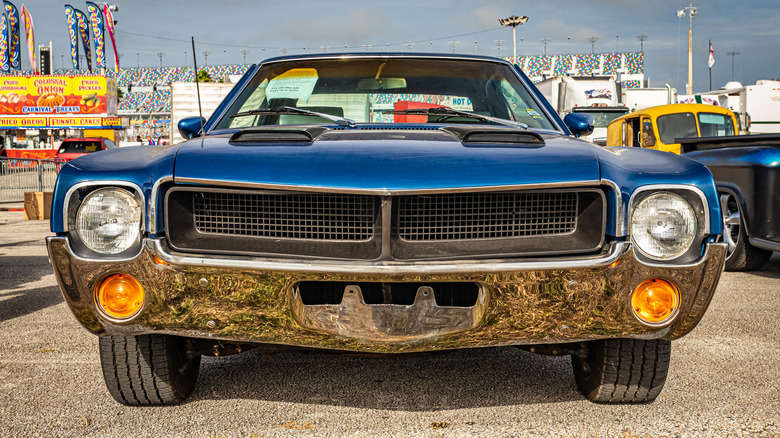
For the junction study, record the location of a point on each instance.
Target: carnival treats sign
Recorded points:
(45, 95)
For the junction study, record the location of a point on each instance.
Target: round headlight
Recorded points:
(663, 226)
(109, 220)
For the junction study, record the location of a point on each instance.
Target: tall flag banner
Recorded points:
(711, 61)
(84, 31)
(4, 65)
(13, 35)
(96, 17)
(110, 26)
(28, 31)
(73, 30)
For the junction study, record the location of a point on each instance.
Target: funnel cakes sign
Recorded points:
(53, 95)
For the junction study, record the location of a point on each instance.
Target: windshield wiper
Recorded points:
(449, 112)
(291, 110)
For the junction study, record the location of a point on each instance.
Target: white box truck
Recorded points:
(599, 96)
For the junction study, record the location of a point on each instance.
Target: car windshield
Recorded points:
(75, 147)
(715, 125)
(680, 125)
(384, 90)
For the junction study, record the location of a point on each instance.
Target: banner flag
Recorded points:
(73, 30)
(110, 26)
(4, 65)
(84, 31)
(96, 16)
(711, 61)
(13, 35)
(28, 31)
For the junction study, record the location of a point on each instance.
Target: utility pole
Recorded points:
(244, 52)
(205, 54)
(545, 42)
(593, 41)
(733, 55)
(161, 55)
(498, 44)
(641, 39)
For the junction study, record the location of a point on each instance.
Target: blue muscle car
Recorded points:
(386, 204)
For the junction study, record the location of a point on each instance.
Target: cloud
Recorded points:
(357, 25)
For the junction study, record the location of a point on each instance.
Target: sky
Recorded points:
(267, 28)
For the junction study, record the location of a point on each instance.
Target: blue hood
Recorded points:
(373, 161)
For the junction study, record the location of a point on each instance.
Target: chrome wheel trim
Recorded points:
(731, 222)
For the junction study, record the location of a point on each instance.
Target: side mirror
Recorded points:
(579, 124)
(189, 127)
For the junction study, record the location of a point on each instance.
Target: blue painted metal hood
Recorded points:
(385, 162)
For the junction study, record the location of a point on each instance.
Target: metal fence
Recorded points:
(20, 175)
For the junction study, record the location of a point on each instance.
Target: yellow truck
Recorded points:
(661, 127)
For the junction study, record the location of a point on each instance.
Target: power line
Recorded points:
(400, 43)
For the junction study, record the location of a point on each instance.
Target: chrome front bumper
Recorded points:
(255, 300)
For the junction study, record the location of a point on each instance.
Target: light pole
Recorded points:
(137, 59)
(733, 55)
(244, 52)
(205, 54)
(641, 39)
(161, 55)
(691, 11)
(513, 21)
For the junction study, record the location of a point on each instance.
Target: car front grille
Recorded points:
(315, 216)
(470, 216)
(350, 226)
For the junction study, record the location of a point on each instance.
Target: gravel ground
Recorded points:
(724, 378)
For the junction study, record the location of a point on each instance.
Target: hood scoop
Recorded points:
(303, 135)
(495, 136)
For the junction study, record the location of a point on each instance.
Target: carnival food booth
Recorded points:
(38, 112)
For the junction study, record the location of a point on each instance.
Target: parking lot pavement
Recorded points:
(724, 378)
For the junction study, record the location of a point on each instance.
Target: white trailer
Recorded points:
(761, 103)
(758, 106)
(184, 102)
(640, 98)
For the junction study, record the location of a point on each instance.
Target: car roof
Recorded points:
(84, 139)
(675, 108)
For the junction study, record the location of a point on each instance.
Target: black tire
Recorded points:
(741, 256)
(148, 370)
(623, 370)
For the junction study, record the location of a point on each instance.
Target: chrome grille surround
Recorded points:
(385, 226)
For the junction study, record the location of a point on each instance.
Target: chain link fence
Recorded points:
(20, 175)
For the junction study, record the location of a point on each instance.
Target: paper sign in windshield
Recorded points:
(297, 83)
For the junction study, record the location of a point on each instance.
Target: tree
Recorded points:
(204, 76)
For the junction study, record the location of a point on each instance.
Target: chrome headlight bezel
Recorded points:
(700, 209)
(75, 199)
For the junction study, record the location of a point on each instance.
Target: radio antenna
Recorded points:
(197, 86)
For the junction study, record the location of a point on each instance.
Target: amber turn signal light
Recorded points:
(656, 301)
(119, 296)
